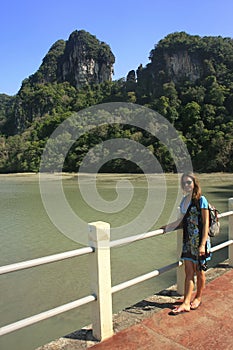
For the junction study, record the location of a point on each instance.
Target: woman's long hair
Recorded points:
(197, 189)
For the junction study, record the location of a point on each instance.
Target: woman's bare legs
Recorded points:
(188, 287)
(200, 286)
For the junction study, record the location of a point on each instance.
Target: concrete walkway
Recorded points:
(208, 327)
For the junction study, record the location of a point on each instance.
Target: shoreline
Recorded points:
(112, 176)
(132, 315)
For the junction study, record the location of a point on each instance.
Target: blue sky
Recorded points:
(131, 28)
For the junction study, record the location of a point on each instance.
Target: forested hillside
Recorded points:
(188, 80)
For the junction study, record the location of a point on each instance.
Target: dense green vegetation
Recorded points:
(197, 101)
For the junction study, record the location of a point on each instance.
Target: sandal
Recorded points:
(177, 311)
(195, 306)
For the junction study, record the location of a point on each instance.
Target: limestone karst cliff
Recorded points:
(183, 65)
(188, 80)
(182, 58)
(77, 73)
(85, 60)
(80, 60)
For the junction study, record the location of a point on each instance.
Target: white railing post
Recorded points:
(180, 273)
(100, 274)
(230, 232)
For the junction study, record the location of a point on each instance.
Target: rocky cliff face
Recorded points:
(85, 60)
(176, 66)
(80, 60)
(182, 65)
(177, 58)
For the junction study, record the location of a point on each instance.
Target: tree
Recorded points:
(191, 114)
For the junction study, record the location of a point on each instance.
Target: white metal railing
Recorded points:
(45, 260)
(145, 277)
(101, 297)
(45, 315)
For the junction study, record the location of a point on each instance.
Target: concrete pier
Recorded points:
(208, 327)
(148, 325)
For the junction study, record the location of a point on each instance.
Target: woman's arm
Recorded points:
(175, 225)
(205, 230)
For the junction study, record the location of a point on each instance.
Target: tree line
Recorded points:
(201, 110)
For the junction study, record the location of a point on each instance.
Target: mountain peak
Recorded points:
(80, 60)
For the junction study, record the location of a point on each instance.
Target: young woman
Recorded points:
(196, 243)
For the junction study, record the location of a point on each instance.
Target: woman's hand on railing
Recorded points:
(173, 226)
(163, 228)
